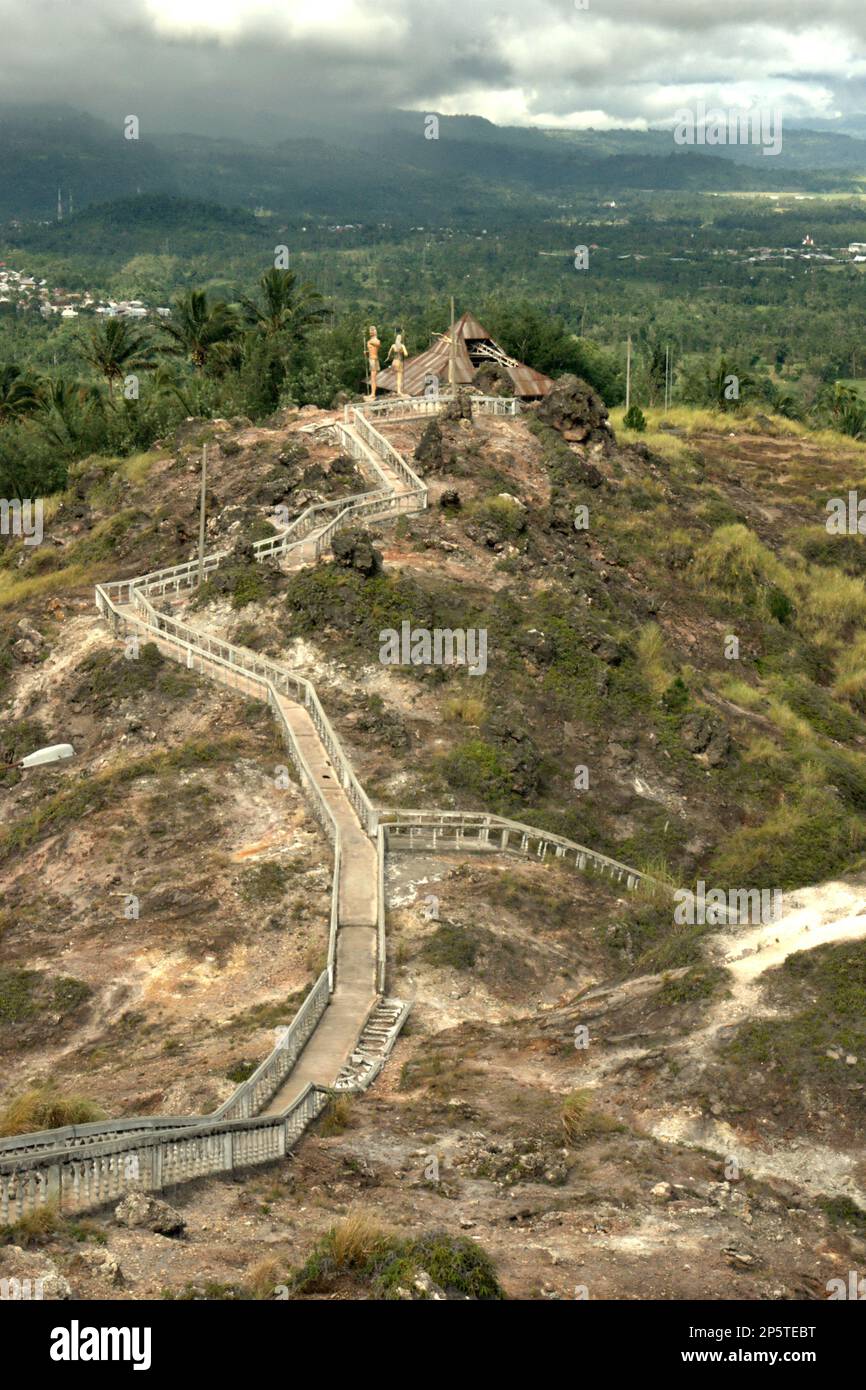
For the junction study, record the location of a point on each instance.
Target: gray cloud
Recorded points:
(273, 68)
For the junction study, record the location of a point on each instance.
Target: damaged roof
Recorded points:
(471, 343)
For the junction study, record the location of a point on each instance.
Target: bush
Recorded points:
(735, 564)
(506, 519)
(337, 1113)
(476, 766)
(779, 606)
(451, 945)
(803, 841)
(359, 1246)
(634, 419)
(264, 882)
(45, 1109)
(700, 982)
(35, 1228)
(579, 1118)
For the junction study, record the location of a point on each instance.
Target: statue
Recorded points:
(397, 350)
(373, 345)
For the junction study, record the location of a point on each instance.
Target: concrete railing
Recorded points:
(381, 947)
(478, 830)
(252, 1095)
(76, 1179)
(413, 407)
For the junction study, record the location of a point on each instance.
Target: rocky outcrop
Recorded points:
(429, 452)
(576, 411)
(355, 550)
(706, 738)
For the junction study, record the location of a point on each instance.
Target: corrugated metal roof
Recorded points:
(435, 362)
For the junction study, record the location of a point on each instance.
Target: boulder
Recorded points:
(425, 1287)
(696, 731)
(705, 738)
(138, 1210)
(460, 408)
(429, 451)
(355, 550)
(102, 1263)
(577, 411)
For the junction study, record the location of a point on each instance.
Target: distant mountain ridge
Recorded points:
(382, 167)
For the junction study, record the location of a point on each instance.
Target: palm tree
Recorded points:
(71, 414)
(848, 411)
(288, 309)
(19, 393)
(197, 327)
(116, 348)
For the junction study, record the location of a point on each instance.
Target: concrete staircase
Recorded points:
(376, 1041)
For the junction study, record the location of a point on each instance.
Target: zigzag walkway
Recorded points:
(345, 1028)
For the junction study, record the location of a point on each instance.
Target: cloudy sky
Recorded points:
(226, 66)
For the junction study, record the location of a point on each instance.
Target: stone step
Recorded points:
(376, 1041)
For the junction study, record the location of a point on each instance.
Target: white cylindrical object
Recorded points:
(55, 754)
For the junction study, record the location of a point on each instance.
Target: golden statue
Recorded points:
(397, 350)
(373, 345)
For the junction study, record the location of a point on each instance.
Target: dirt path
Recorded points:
(828, 912)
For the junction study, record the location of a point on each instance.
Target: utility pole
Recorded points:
(628, 374)
(201, 515)
(452, 365)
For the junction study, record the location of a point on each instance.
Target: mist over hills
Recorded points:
(380, 165)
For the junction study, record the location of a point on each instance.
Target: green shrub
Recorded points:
(700, 982)
(819, 1003)
(264, 882)
(360, 1247)
(802, 841)
(451, 945)
(505, 518)
(477, 767)
(779, 606)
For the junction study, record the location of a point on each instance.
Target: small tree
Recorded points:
(115, 348)
(634, 419)
(198, 327)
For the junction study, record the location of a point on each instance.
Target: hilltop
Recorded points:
(605, 1167)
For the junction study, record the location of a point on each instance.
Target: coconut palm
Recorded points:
(198, 326)
(115, 349)
(287, 309)
(19, 393)
(72, 414)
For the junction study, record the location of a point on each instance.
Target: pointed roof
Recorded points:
(470, 346)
